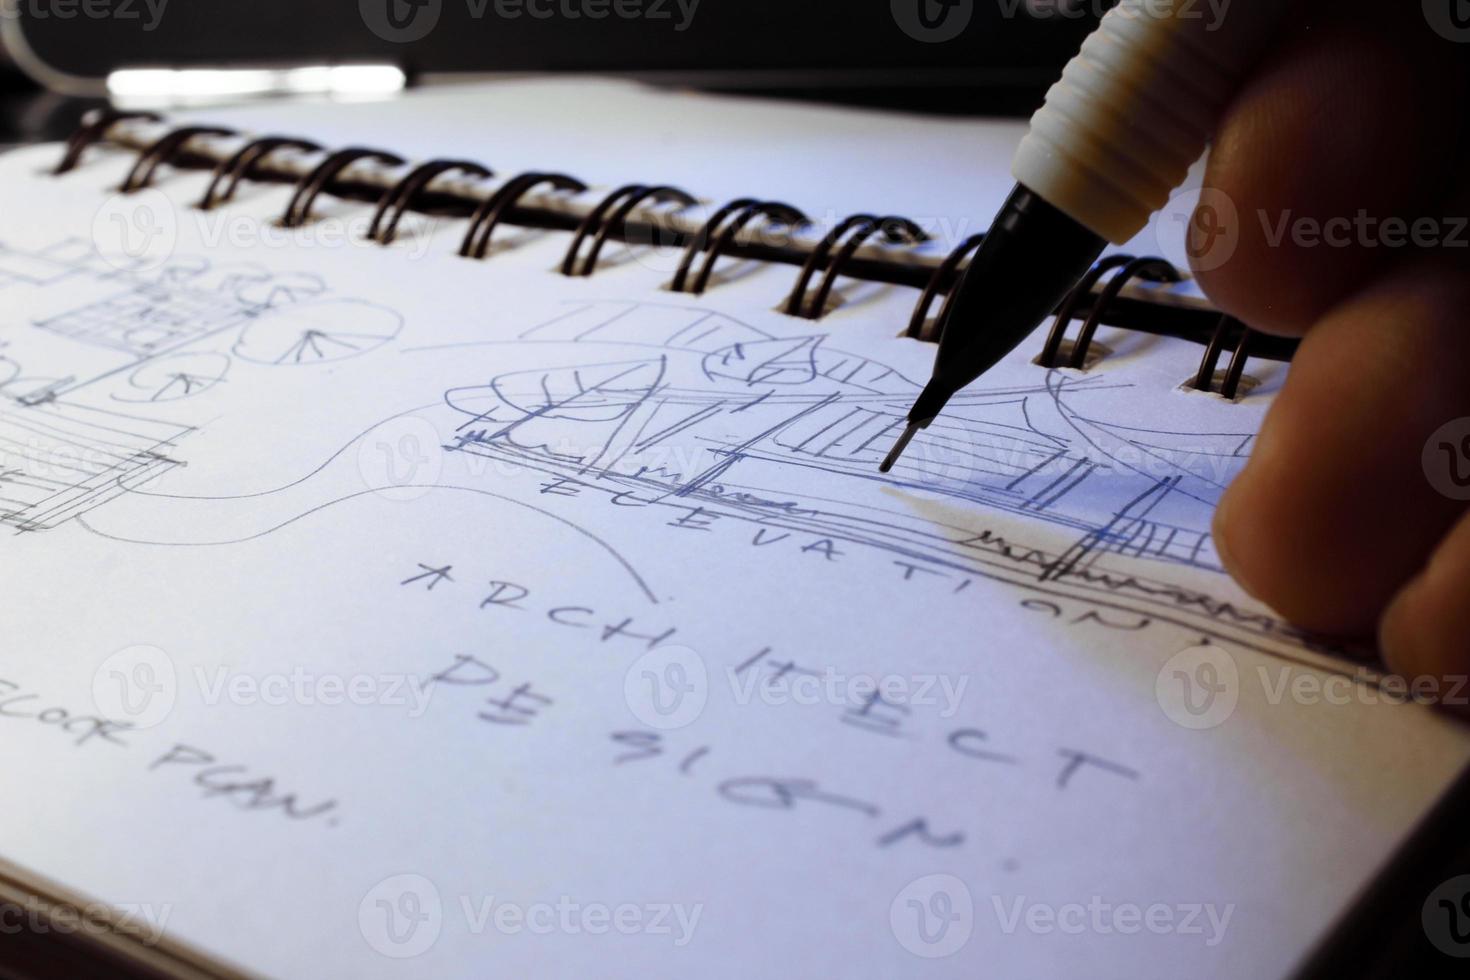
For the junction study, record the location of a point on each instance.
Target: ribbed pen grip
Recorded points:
(1137, 107)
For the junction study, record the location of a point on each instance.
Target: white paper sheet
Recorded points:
(456, 619)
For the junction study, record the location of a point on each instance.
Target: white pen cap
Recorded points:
(1138, 105)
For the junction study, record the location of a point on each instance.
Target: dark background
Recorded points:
(28, 115)
(982, 42)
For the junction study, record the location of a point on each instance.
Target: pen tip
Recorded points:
(899, 447)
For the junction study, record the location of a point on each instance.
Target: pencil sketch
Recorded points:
(765, 412)
(694, 411)
(669, 406)
(317, 332)
(103, 332)
(120, 318)
(176, 376)
(60, 460)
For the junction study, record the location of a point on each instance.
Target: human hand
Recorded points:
(1339, 522)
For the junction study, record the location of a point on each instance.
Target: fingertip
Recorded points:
(1280, 539)
(1424, 634)
(1414, 646)
(1266, 538)
(1396, 640)
(1222, 531)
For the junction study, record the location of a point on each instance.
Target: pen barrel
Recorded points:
(1138, 105)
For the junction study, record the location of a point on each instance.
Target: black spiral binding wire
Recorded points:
(494, 208)
(402, 195)
(611, 213)
(628, 215)
(162, 151)
(238, 166)
(919, 323)
(1244, 338)
(1152, 268)
(94, 129)
(298, 210)
(1095, 306)
(728, 221)
(860, 228)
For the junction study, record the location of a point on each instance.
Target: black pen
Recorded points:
(1116, 135)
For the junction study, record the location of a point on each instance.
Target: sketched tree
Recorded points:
(314, 333)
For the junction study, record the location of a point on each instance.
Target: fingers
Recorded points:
(1426, 631)
(1352, 127)
(1357, 113)
(1334, 513)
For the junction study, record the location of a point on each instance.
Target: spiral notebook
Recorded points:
(477, 564)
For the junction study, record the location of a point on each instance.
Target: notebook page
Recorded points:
(377, 613)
